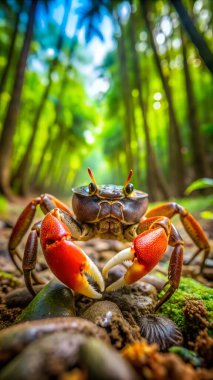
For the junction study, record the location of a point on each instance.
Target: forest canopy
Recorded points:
(113, 85)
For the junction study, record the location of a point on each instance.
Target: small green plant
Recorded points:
(200, 184)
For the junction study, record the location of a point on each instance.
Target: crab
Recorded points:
(109, 212)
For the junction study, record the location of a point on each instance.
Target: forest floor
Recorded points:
(14, 297)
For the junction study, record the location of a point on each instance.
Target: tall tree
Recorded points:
(197, 145)
(58, 108)
(22, 170)
(126, 94)
(11, 49)
(155, 178)
(6, 141)
(195, 36)
(177, 172)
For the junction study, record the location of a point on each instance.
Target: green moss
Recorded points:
(7, 276)
(188, 288)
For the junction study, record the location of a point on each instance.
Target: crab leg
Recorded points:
(146, 251)
(190, 224)
(47, 203)
(175, 266)
(66, 260)
(21, 227)
(29, 259)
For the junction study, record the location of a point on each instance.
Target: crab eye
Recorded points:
(92, 188)
(129, 188)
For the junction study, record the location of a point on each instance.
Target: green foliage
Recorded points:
(77, 127)
(187, 356)
(3, 205)
(199, 184)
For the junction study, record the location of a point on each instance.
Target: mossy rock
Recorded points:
(188, 289)
(54, 300)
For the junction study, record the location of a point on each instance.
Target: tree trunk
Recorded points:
(37, 171)
(58, 107)
(11, 50)
(22, 171)
(195, 36)
(179, 170)
(198, 156)
(55, 162)
(126, 93)
(9, 126)
(155, 178)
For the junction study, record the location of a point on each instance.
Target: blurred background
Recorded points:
(112, 85)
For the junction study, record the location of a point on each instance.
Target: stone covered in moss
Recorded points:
(188, 289)
(54, 300)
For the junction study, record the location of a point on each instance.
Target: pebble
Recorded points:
(107, 315)
(21, 297)
(104, 363)
(45, 358)
(51, 355)
(208, 273)
(157, 282)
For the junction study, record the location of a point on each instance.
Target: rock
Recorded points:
(100, 311)
(51, 355)
(208, 273)
(157, 282)
(117, 245)
(103, 362)
(137, 299)
(188, 289)
(116, 273)
(209, 263)
(105, 256)
(45, 358)
(21, 297)
(101, 245)
(107, 315)
(54, 300)
(5, 263)
(15, 338)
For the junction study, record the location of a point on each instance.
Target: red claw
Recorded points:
(146, 251)
(149, 247)
(66, 260)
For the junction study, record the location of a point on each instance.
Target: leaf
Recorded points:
(207, 215)
(199, 184)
